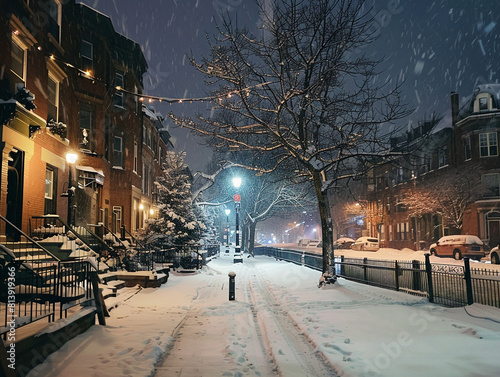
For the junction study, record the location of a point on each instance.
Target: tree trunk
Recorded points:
(326, 225)
(251, 237)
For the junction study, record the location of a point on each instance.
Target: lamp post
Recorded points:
(228, 211)
(70, 159)
(237, 199)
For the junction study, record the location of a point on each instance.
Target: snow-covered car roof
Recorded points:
(465, 238)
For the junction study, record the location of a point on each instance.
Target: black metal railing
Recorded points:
(36, 290)
(449, 285)
(42, 227)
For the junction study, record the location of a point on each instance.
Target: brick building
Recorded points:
(462, 151)
(86, 80)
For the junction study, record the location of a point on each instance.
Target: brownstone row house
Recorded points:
(449, 185)
(74, 63)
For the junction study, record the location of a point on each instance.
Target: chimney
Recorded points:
(454, 108)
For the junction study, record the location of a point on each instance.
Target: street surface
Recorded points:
(263, 340)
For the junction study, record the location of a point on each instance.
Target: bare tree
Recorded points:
(299, 92)
(272, 196)
(448, 195)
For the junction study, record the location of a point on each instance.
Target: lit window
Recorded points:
(488, 145)
(49, 184)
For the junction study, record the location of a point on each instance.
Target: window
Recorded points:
(107, 131)
(55, 20)
(467, 148)
(145, 179)
(49, 184)
(135, 156)
(119, 94)
(402, 231)
(117, 215)
(491, 183)
(483, 103)
(87, 54)
(18, 54)
(86, 129)
(53, 99)
(443, 156)
(488, 145)
(118, 152)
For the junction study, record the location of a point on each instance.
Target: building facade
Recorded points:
(71, 84)
(458, 159)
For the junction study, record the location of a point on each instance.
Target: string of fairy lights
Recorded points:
(151, 98)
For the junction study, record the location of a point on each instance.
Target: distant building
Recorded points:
(469, 143)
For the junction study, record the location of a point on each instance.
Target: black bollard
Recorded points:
(231, 275)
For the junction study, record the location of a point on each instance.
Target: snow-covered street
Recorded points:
(279, 324)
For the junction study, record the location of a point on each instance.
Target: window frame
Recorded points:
(16, 42)
(87, 61)
(119, 98)
(491, 142)
(496, 191)
(117, 152)
(90, 130)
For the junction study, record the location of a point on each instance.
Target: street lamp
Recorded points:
(228, 211)
(237, 199)
(70, 159)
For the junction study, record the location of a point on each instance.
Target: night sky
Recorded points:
(435, 46)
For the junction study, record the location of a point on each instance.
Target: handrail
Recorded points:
(77, 235)
(110, 232)
(28, 237)
(134, 239)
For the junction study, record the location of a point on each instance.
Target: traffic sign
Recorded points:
(237, 197)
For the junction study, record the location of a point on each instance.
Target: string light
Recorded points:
(142, 97)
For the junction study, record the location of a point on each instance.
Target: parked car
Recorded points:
(365, 244)
(495, 255)
(458, 246)
(308, 242)
(343, 243)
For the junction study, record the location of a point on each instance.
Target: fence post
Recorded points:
(468, 281)
(342, 267)
(365, 262)
(396, 273)
(415, 266)
(99, 300)
(428, 270)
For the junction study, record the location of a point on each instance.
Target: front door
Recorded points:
(494, 232)
(15, 194)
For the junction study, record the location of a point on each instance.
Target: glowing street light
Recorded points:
(237, 199)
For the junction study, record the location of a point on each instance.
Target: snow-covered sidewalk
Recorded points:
(188, 327)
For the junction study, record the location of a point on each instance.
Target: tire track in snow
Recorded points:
(294, 355)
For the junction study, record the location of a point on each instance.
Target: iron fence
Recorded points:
(36, 290)
(449, 285)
